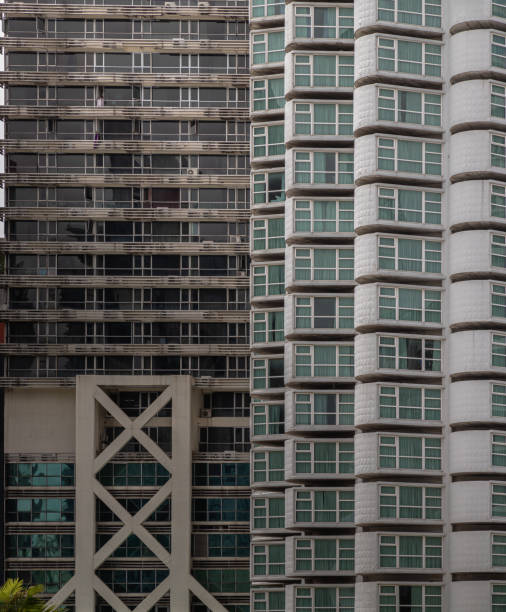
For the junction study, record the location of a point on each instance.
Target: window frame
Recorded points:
(388, 543)
(391, 54)
(303, 117)
(265, 142)
(388, 298)
(343, 360)
(305, 162)
(393, 597)
(304, 452)
(388, 159)
(425, 14)
(395, 496)
(261, 86)
(304, 214)
(262, 318)
(392, 400)
(304, 309)
(262, 417)
(260, 52)
(307, 21)
(261, 511)
(261, 375)
(261, 550)
(425, 357)
(344, 562)
(428, 246)
(430, 205)
(342, 417)
(425, 458)
(262, 465)
(306, 595)
(262, 270)
(264, 225)
(304, 75)
(264, 6)
(261, 190)
(307, 497)
(304, 260)
(394, 106)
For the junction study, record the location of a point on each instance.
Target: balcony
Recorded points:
(478, 402)
(309, 411)
(477, 354)
(310, 221)
(320, 556)
(469, 54)
(320, 508)
(323, 267)
(320, 362)
(319, 316)
(477, 501)
(322, 73)
(484, 558)
(478, 452)
(478, 154)
(476, 204)
(319, 459)
(320, 26)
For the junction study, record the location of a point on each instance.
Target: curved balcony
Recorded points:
(367, 20)
(305, 509)
(318, 316)
(305, 556)
(267, 467)
(304, 29)
(374, 554)
(477, 204)
(367, 593)
(477, 353)
(477, 402)
(395, 207)
(321, 362)
(267, 236)
(368, 52)
(385, 307)
(477, 303)
(467, 13)
(319, 74)
(469, 103)
(267, 374)
(267, 51)
(319, 459)
(390, 356)
(267, 514)
(318, 122)
(382, 108)
(328, 220)
(395, 455)
(397, 158)
(474, 595)
(478, 154)
(477, 501)
(476, 254)
(369, 510)
(384, 404)
(324, 267)
(470, 58)
(480, 543)
(267, 420)
(477, 452)
(319, 411)
(379, 258)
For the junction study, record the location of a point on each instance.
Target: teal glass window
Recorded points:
(324, 506)
(498, 550)
(268, 47)
(409, 205)
(220, 509)
(323, 216)
(421, 598)
(324, 554)
(410, 452)
(331, 598)
(396, 55)
(268, 559)
(268, 93)
(411, 12)
(406, 106)
(324, 457)
(268, 373)
(267, 8)
(268, 233)
(268, 466)
(223, 580)
(324, 360)
(268, 140)
(499, 590)
(498, 101)
(221, 474)
(269, 188)
(40, 545)
(133, 475)
(324, 408)
(268, 280)
(424, 552)
(414, 156)
(328, 70)
(326, 22)
(499, 400)
(324, 312)
(498, 49)
(39, 509)
(324, 264)
(403, 304)
(406, 502)
(268, 601)
(268, 512)
(420, 403)
(40, 475)
(409, 255)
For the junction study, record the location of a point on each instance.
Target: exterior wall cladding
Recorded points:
(379, 432)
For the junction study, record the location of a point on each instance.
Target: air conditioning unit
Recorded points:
(205, 413)
(192, 171)
(171, 5)
(204, 5)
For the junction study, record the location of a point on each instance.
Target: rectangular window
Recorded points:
(268, 512)
(498, 101)
(323, 216)
(39, 509)
(268, 94)
(405, 502)
(40, 475)
(409, 453)
(268, 419)
(323, 168)
(409, 57)
(269, 560)
(217, 509)
(327, 361)
(268, 373)
(268, 601)
(415, 598)
(409, 205)
(324, 312)
(268, 466)
(268, 233)
(221, 580)
(324, 409)
(406, 106)
(498, 550)
(498, 300)
(498, 201)
(499, 590)
(499, 10)
(323, 264)
(268, 280)
(422, 354)
(324, 457)
(403, 304)
(324, 506)
(40, 545)
(268, 326)
(326, 22)
(409, 255)
(268, 47)
(420, 403)
(402, 551)
(268, 140)
(414, 156)
(324, 598)
(269, 188)
(324, 70)
(321, 119)
(414, 12)
(324, 554)
(499, 450)
(498, 51)
(498, 350)
(499, 400)
(266, 8)
(499, 500)
(498, 151)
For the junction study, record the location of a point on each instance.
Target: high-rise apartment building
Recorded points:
(378, 306)
(126, 189)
